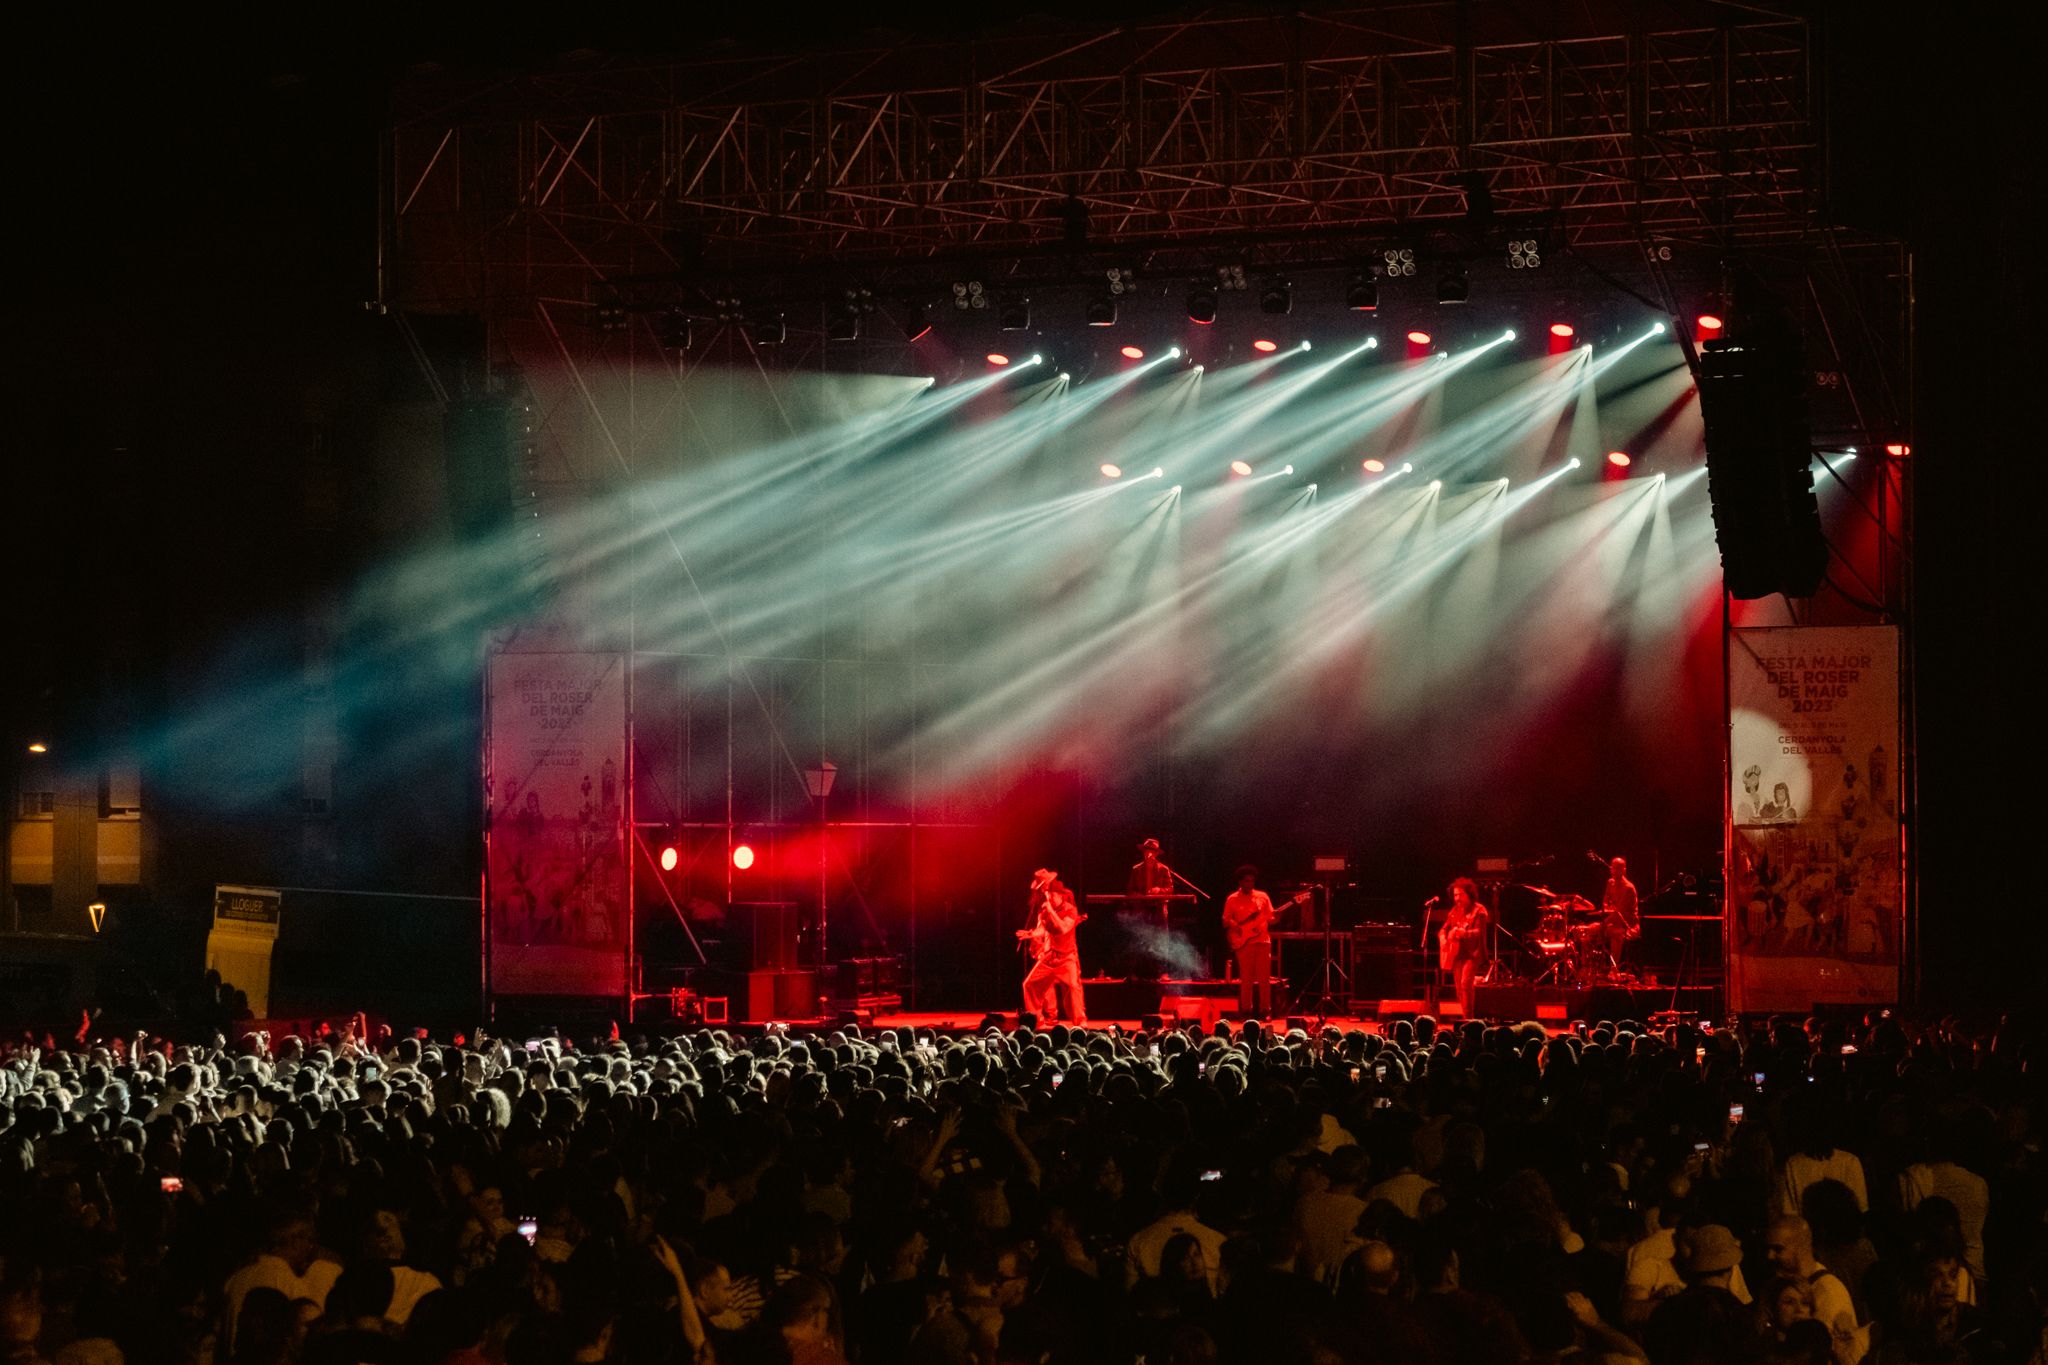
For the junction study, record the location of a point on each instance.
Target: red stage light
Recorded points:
(997, 358)
(1898, 448)
(1110, 471)
(743, 856)
(1264, 345)
(1619, 459)
(1375, 466)
(1709, 323)
(1419, 338)
(669, 857)
(1240, 468)
(1562, 329)
(1132, 352)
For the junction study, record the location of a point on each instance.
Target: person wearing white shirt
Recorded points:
(292, 1265)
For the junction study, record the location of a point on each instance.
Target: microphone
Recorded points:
(1434, 900)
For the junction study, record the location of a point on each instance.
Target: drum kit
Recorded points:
(1570, 942)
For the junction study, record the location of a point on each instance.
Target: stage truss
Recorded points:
(583, 209)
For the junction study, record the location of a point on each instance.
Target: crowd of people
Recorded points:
(1789, 1191)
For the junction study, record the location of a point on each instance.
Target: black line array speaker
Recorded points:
(1759, 464)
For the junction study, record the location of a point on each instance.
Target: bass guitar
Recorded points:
(1240, 933)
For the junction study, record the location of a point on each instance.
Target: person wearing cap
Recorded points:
(1704, 1320)
(1052, 988)
(1150, 882)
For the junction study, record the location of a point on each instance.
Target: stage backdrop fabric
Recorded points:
(556, 859)
(1815, 876)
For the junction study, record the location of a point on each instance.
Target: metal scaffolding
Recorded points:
(1601, 125)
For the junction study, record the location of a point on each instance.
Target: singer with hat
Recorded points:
(1052, 988)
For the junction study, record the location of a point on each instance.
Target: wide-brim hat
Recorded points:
(1150, 845)
(1042, 876)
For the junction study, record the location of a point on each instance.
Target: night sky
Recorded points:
(194, 218)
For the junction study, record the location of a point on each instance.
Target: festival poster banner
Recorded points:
(556, 861)
(1816, 886)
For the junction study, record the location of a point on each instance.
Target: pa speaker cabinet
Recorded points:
(1504, 1002)
(767, 996)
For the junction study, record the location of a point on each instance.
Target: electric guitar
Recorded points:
(1038, 939)
(1240, 933)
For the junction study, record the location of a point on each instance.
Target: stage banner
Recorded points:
(1815, 876)
(556, 863)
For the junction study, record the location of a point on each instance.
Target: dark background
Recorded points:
(194, 218)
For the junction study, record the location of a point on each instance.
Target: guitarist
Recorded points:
(1248, 924)
(1052, 989)
(1462, 947)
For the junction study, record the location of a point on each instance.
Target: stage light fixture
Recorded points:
(1452, 286)
(743, 856)
(1202, 304)
(726, 309)
(1175, 490)
(672, 330)
(1419, 338)
(1158, 473)
(1572, 463)
(1619, 459)
(768, 331)
(998, 359)
(1436, 485)
(1656, 329)
(1407, 469)
(1508, 335)
(1276, 299)
(1372, 343)
(1101, 311)
(1563, 329)
(1064, 376)
(1240, 468)
(1230, 277)
(1362, 294)
(1014, 316)
(1110, 471)
(1708, 322)
(1898, 448)
(1288, 470)
(1524, 253)
(917, 322)
(1036, 360)
(842, 325)
(669, 858)
(1304, 345)
(1264, 345)
(611, 314)
(1399, 261)
(38, 747)
(969, 294)
(1173, 353)
(1375, 466)
(1131, 352)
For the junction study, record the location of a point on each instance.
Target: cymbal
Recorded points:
(1539, 890)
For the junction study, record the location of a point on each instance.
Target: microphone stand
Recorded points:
(1430, 971)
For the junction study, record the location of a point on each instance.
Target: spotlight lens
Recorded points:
(1304, 344)
(1657, 329)
(1065, 376)
(1562, 329)
(1419, 338)
(1264, 345)
(1407, 469)
(1574, 462)
(1288, 470)
(1898, 448)
(1436, 485)
(743, 856)
(668, 858)
(1375, 466)
(1709, 323)
(1110, 471)
(1132, 352)
(1158, 473)
(1174, 353)
(1240, 468)
(1619, 459)
(998, 358)
(1508, 335)
(1037, 360)
(1372, 343)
